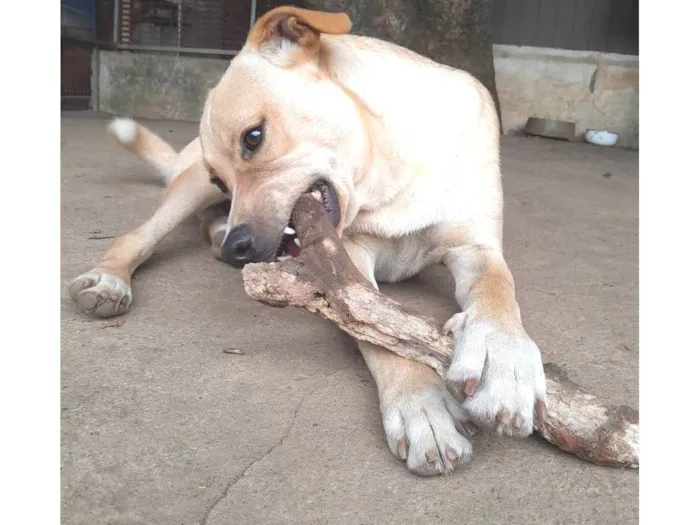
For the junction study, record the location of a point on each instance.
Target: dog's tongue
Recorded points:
(292, 249)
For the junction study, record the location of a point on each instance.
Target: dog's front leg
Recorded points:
(105, 290)
(497, 369)
(424, 425)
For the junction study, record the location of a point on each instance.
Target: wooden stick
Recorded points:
(324, 280)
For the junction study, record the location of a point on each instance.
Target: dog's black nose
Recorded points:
(238, 248)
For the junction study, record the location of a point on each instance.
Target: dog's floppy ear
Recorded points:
(301, 26)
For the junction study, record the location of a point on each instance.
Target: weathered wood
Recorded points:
(324, 280)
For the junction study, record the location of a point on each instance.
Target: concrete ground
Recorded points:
(160, 426)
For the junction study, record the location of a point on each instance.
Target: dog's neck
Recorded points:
(381, 173)
(406, 102)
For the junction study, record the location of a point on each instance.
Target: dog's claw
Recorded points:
(540, 410)
(470, 386)
(402, 448)
(451, 453)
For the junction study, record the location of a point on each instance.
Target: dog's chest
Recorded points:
(402, 257)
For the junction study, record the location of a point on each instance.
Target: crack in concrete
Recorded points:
(279, 443)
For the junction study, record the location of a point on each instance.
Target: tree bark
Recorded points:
(324, 280)
(457, 33)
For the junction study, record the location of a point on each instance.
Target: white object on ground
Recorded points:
(601, 138)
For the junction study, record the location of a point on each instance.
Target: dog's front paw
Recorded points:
(498, 374)
(100, 293)
(422, 430)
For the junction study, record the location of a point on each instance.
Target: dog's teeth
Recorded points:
(297, 242)
(317, 195)
(283, 258)
(289, 231)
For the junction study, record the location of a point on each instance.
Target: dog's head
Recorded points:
(278, 125)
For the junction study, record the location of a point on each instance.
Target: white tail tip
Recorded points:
(124, 129)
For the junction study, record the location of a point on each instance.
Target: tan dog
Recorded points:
(404, 153)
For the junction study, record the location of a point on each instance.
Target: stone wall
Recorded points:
(593, 90)
(156, 85)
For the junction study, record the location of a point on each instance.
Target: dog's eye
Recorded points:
(216, 181)
(252, 139)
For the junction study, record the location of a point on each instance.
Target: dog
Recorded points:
(404, 153)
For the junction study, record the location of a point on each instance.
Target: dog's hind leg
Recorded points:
(105, 291)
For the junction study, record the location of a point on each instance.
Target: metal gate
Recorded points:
(86, 25)
(216, 28)
(78, 32)
(199, 27)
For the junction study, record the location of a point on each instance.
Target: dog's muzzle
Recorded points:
(244, 243)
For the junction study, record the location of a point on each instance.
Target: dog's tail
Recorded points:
(140, 141)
